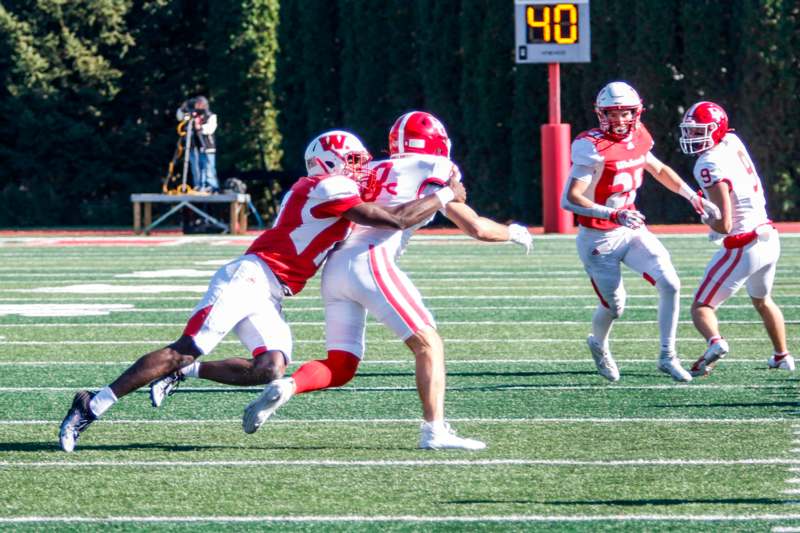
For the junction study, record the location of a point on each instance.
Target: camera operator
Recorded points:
(203, 153)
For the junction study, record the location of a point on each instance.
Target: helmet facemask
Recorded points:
(618, 127)
(696, 138)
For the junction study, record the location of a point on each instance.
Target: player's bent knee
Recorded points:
(761, 304)
(185, 345)
(425, 340)
(268, 366)
(669, 283)
(343, 366)
(616, 308)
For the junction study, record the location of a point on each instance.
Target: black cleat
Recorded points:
(161, 388)
(78, 419)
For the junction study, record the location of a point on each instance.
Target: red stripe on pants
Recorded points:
(711, 273)
(739, 253)
(196, 322)
(386, 291)
(597, 292)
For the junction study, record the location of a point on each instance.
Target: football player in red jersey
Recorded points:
(361, 274)
(751, 245)
(246, 295)
(608, 165)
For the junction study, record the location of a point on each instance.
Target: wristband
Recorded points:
(445, 195)
(686, 191)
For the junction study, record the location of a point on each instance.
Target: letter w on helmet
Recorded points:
(339, 152)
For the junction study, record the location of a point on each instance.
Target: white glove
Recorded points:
(630, 218)
(707, 210)
(519, 234)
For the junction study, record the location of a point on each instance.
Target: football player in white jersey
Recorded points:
(246, 295)
(751, 246)
(361, 275)
(608, 165)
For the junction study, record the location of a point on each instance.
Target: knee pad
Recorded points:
(343, 366)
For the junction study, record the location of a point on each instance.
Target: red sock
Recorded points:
(335, 371)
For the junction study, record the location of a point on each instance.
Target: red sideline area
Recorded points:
(663, 229)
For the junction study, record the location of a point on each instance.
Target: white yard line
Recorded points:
(371, 324)
(289, 303)
(409, 462)
(138, 342)
(605, 387)
(399, 362)
(509, 518)
(416, 421)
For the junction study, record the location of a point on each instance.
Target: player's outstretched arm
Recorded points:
(670, 179)
(408, 214)
(486, 229)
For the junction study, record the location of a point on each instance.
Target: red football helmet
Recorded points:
(618, 96)
(420, 133)
(704, 126)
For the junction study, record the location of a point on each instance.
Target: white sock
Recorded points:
(668, 306)
(601, 324)
(102, 401)
(436, 425)
(191, 371)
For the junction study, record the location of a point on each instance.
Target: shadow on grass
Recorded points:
(49, 446)
(482, 374)
(53, 445)
(784, 404)
(675, 501)
(485, 502)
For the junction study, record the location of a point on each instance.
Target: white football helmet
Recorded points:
(618, 96)
(336, 152)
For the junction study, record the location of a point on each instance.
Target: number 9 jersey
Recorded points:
(729, 162)
(617, 168)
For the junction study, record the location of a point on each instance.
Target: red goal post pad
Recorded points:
(555, 170)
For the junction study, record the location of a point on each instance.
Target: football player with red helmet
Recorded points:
(608, 165)
(362, 276)
(751, 246)
(246, 295)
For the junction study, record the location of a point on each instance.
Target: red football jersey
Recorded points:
(618, 167)
(309, 224)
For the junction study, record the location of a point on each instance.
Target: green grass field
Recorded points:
(566, 449)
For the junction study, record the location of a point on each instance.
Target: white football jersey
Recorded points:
(729, 161)
(400, 180)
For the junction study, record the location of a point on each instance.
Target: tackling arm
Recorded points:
(408, 214)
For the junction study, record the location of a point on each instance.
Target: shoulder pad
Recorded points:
(335, 186)
(584, 151)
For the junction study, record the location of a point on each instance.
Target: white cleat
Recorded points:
(602, 360)
(670, 364)
(440, 436)
(160, 389)
(709, 359)
(785, 362)
(275, 394)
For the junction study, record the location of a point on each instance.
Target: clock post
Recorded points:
(553, 33)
